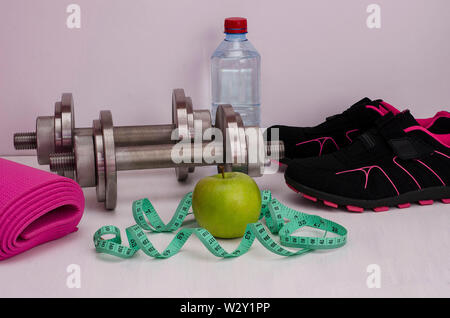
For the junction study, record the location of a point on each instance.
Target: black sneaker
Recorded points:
(394, 164)
(340, 130)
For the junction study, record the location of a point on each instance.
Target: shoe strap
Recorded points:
(391, 128)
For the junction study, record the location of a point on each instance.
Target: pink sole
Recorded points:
(308, 197)
(292, 188)
(381, 209)
(330, 204)
(352, 208)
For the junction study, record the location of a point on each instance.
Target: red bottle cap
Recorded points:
(235, 25)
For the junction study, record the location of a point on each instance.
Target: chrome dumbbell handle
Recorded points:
(137, 135)
(156, 157)
(160, 156)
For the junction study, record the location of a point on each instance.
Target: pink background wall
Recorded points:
(318, 56)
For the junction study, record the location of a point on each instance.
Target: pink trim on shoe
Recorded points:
(381, 111)
(321, 142)
(308, 197)
(384, 108)
(352, 208)
(431, 171)
(330, 204)
(390, 108)
(292, 188)
(409, 174)
(428, 122)
(381, 209)
(443, 154)
(348, 132)
(367, 172)
(443, 139)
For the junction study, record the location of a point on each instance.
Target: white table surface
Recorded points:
(411, 246)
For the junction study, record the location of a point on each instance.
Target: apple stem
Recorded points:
(222, 171)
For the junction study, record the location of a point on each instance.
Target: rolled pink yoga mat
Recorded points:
(35, 207)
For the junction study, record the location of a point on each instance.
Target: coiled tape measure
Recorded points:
(272, 210)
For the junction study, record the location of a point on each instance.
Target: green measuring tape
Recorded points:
(272, 210)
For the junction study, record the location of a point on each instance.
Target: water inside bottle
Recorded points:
(235, 77)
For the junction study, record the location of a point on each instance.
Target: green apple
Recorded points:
(225, 203)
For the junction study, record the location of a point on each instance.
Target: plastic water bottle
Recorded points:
(236, 73)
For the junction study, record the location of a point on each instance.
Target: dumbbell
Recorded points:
(55, 134)
(97, 153)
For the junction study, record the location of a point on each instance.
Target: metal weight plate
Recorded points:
(110, 159)
(84, 160)
(58, 129)
(255, 151)
(45, 138)
(242, 163)
(67, 120)
(99, 160)
(64, 123)
(180, 122)
(190, 116)
(202, 117)
(229, 124)
(58, 136)
(201, 120)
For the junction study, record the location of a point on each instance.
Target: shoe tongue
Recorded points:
(364, 101)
